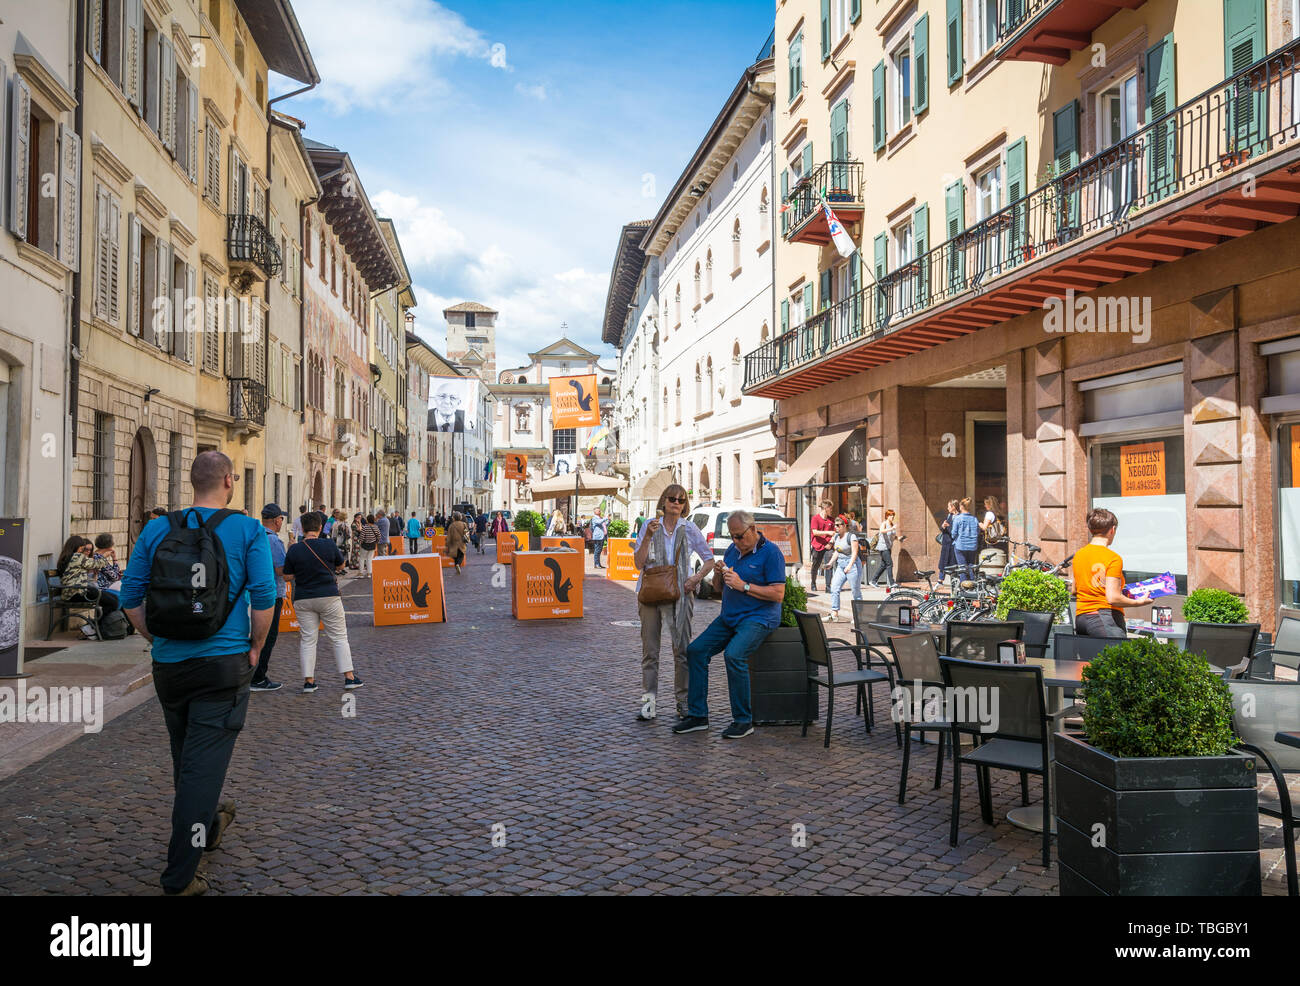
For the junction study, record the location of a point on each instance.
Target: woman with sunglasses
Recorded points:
(669, 538)
(843, 565)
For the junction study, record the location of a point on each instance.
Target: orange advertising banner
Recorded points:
(547, 585)
(574, 402)
(783, 534)
(397, 544)
(620, 567)
(508, 542)
(574, 541)
(516, 465)
(407, 590)
(1142, 469)
(288, 618)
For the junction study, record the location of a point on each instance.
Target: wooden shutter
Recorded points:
(211, 325)
(245, 337)
(69, 210)
(259, 343)
(134, 321)
(20, 110)
(132, 50)
(954, 223)
(878, 106)
(785, 315)
(167, 93)
(192, 131)
(825, 285)
(954, 22)
(785, 193)
(99, 287)
(881, 259)
(1243, 33)
(228, 318)
(151, 84)
(855, 11)
(1162, 150)
(233, 181)
(807, 301)
(840, 133)
(1065, 152)
(114, 258)
(920, 247)
(807, 161)
(95, 29)
(826, 29)
(212, 143)
(1017, 164)
(921, 64)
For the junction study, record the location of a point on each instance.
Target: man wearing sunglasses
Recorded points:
(751, 578)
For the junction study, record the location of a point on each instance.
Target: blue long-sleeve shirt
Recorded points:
(252, 580)
(965, 532)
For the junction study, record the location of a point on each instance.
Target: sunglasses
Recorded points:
(675, 499)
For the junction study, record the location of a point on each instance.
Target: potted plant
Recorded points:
(778, 670)
(534, 523)
(1214, 606)
(618, 528)
(1154, 800)
(1035, 592)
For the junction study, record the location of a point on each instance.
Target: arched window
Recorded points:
(604, 381)
(665, 413)
(762, 134)
(735, 371)
(762, 202)
(708, 381)
(523, 379)
(735, 172)
(735, 244)
(708, 274)
(697, 284)
(679, 304)
(699, 402)
(678, 401)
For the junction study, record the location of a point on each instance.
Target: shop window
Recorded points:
(1140, 478)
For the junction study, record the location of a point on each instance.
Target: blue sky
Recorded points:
(510, 141)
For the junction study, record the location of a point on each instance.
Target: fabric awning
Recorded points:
(816, 455)
(583, 483)
(652, 487)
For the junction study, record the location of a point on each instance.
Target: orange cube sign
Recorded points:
(574, 541)
(508, 542)
(407, 589)
(575, 402)
(620, 566)
(547, 585)
(397, 544)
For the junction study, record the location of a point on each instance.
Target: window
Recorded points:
(214, 15)
(1117, 120)
(901, 237)
(708, 275)
(900, 83)
(469, 320)
(108, 38)
(250, 492)
(985, 15)
(212, 161)
(708, 382)
(239, 54)
(664, 416)
(102, 459)
(699, 399)
(564, 440)
(735, 245)
(697, 284)
(679, 401)
(735, 382)
(796, 66)
(678, 300)
(988, 200)
(762, 202)
(175, 454)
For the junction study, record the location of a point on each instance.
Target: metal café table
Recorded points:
(1175, 633)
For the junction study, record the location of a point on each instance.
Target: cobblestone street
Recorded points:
(486, 721)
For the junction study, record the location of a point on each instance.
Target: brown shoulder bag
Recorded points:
(659, 584)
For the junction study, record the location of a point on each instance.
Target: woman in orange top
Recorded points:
(1099, 582)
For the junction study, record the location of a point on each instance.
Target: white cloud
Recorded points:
(378, 55)
(428, 237)
(537, 92)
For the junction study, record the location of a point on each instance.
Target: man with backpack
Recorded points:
(188, 588)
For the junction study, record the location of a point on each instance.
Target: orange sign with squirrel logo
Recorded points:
(516, 465)
(439, 548)
(397, 544)
(547, 585)
(575, 402)
(621, 568)
(575, 542)
(407, 589)
(508, 542)
(288, 618)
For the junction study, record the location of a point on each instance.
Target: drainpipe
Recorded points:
(74, 335)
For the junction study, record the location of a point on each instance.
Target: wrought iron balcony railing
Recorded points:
(396, 445)
(249, 241)
(841, 181)
(247, 400)
(1239, 120)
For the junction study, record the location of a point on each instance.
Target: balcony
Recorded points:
(1052, 30)
(803, 220)
(1175, 187)
(347, 436)
(251, 250)
(396, 447)
(247, 401)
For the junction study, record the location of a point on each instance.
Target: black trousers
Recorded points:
(204, 702)
(264, 658)
(819, 559)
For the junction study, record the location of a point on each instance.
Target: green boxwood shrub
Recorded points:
(796, 597)
(618, 528)
(1214, 606)
(1147, 698)
(531, 521)
(1037, 592)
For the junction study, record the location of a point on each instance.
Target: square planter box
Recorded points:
(1172, 826)
(778, 678)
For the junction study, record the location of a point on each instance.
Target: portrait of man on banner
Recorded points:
(453, 404)
(575, 402)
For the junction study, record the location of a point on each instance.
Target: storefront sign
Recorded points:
(853, 456)
(547, 585)
(516, 465)
(784, 534)
(13, 530)
(508, 542)
(575, 402)
(1142, 469)
(407, 590)
(621, 567)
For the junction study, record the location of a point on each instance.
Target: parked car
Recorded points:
(713, 522)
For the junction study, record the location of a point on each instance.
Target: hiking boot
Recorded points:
(225, 815)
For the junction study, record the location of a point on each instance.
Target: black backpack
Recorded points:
(114, 626)
(175, 607)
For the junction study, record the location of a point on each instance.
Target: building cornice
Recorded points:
(39, 77)
(151, 203)
(110, 161)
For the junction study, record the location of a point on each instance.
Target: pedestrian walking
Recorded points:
(822, 532)
(843, 565)
(751, 581)
(413, 531)
(313, 566)
(885, 539)
(1099, 582)
(947, 554)
(296, 528)
(457, 535)
(662, 555)
(369, 539)
(272, 522)
(206, 641)
(480, 530)
(599, 532)
(354, 543)
(965, 536)
(385, 531)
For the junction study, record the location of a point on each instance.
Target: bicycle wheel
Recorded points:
(932, 610)
(906, 595)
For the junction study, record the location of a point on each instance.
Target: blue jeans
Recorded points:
(853, 576)
(969, 558)
(736, 644)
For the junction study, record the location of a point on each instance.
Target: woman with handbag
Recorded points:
(457, 536)
(313, 565)
(947, 554)
(666, 592)
(842, 565)
(885, 539)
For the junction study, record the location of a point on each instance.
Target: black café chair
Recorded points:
(819, 652)
(1038, 629)
(1019, 743)
(1282, 651)
(1070, 646)
(1276, 708)
(917, 660)
(61, 611)
(873, 640)
(979, 641)
(1228, 646)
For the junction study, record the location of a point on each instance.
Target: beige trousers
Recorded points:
(317, 618)
(654, 619)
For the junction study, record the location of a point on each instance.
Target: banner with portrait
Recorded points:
(453, 404)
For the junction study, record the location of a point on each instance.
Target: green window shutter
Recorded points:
(878, 106)
(854, 315)
(785, 192)
(826, 29)
(920, 247)
(855, 11)
(1065, 152)
(840, 133)
(808, 197)
(954, 22)
(1243, 45)
(1162, 148)
(807, 301)
(855, 273)
(824, 286)
(881, 264)
(1017, 163)
(785, 315)
(954, 223)
(798, 67)
(1012, 15)
(921, 65)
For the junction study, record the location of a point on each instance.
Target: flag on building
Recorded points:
(597, 436)
(839, 236)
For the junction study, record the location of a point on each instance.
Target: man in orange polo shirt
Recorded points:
(1099, 582)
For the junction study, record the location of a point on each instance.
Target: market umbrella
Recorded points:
(577, 484)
